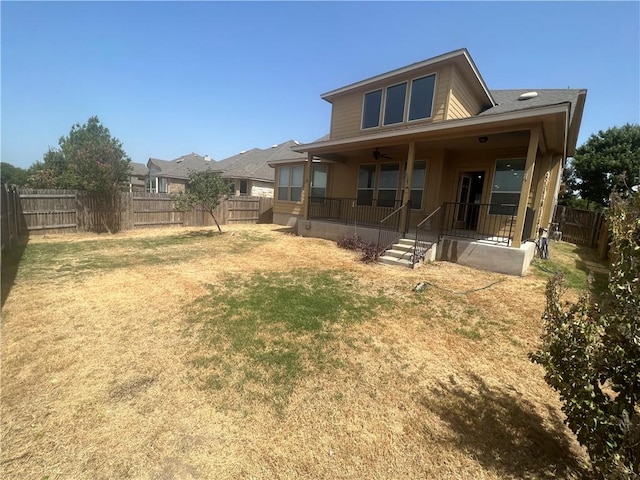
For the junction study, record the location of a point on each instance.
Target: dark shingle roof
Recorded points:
(507, 100)
(182, 166)
(253, 164)
(138, 169)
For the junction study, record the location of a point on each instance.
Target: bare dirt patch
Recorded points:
(104, 372)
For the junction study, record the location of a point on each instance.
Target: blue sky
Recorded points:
(216, 78)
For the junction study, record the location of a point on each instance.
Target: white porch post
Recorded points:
(526, 187)
(306, 186)
(406, 193)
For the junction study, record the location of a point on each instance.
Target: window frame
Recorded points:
(289, 186)
(433, 98)
(491, 210)
(404, 103)
(372, 188)
(381, 108)
(407, 103)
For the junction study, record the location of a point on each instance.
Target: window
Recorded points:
(417, 184)
(371, 109)
(366, 179)
(421, 101)
(507, 183)
(318, 183)
(232, 188)
(244, 187)
(394, 104)
(290, 183)
(388, 186)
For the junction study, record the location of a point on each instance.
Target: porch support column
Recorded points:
(526, 187)
(306, 186)
(553, 189)
(542, 189)
(406, 193)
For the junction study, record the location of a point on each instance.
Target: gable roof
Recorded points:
(254, 164)
(181, 167)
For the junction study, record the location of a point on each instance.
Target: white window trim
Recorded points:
(407, 103)
(277, 186)
(433, 97)
(384, 105)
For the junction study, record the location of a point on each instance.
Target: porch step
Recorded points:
(401, 253)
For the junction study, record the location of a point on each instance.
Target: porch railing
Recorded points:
(388, 229)
(479, 221)
(427, 231)
(348, 212)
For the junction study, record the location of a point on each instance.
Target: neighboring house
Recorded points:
(447, 160)
(138, 177)
(249, 172)
(172, 176)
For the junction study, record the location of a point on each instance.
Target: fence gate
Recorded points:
(581, 227)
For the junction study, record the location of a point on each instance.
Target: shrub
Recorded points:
(369, 250)
(591, 354)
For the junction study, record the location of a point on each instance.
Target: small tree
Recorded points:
(205, 189)
(592, 355)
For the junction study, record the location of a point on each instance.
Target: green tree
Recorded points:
(591, 353)
(91, 160)
(606, 161)
(12, 175)
(205, 189)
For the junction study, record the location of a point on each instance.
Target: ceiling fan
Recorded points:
(377, 155)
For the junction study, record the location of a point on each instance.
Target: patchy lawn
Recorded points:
(257, 354)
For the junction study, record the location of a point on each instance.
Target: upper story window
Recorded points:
(421, 102)
(394, 104)
(371, 109)
(393, 101)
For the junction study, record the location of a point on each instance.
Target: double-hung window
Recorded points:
(318, 183)
(388, 184)
(417, 184)
(507, 184)
(290, 183)
(366, 184)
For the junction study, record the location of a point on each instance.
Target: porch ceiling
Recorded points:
(502, 131)
(395, 151)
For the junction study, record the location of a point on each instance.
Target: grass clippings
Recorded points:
(182, 353)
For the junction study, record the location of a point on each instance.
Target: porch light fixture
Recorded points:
(483, 139)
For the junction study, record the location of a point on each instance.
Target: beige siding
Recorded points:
(462, 102)
(346, 113)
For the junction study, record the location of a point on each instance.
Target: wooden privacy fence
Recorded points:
(26, 211)
(582, 227)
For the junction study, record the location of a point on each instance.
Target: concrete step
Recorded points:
(398, 262)
(397, 252)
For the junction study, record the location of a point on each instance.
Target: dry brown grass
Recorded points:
(98, 379)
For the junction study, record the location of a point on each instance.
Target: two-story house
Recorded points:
(428, 152)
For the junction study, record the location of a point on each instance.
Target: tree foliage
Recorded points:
(87, 159)
(12, 175)
(591, 353)
(91, 160)
(205, 189)
(606, 161)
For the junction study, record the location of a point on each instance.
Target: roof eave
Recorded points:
(319, 147)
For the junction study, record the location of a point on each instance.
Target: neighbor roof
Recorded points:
(138, 169)
(182, 167)
(254, 164)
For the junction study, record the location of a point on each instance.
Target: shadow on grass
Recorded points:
(589, 262)
(10, 263)
(502, 431)
(203, 233)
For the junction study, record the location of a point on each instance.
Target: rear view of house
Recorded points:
(172, 176)
(429, 153)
